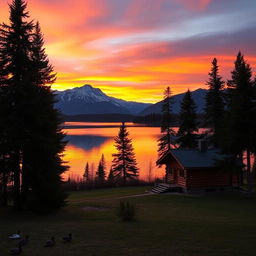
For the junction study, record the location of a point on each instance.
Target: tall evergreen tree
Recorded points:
(124, 164)
(214, 104)
(240, 135)
(187, 137)
(165, 142)
(15, 72)
(44, 122)
(101, 172)
(34, 138)
(86, 175)
(111, 178)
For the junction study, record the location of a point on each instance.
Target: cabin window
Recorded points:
(181, 172)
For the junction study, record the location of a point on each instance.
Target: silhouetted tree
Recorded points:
(214, 104)
(187, 137)
(101, 173)
(124, 164)
(15, 75)
(240, 122)
(111, 178)
(150, 169)
(165, 142)
(34, 136)
(44, 122)
(86, 175)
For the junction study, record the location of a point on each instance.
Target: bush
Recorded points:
(126, 211)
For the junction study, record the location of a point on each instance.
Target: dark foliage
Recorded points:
(126, 211)
(187, 137)
(111, 178)
(240, 122)
(32, 126)
(101, 172)
(214, 104)
(152, 119)
(165, 142)
(124, 164)
(86, 175)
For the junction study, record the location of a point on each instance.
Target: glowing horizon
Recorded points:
(133, 49)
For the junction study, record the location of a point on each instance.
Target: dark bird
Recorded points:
(15, 236)
(16, 251)
(50, 243)
(68, 238)
(24, 241)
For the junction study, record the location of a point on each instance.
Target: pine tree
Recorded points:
(150, 169)
(214, 104)
(43, 126)
(124, 164)
(86, 175)
(101, 173)
(165, 142)
(240, 135)
(111, 178)
(187, 137)
(34, 139)
(15, 73)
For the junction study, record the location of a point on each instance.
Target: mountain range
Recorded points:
(197, 95)
(90, 100)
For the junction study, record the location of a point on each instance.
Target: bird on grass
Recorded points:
(15, 236)
(68, 238)
(16, 251)
(24, 241)
(50, 243)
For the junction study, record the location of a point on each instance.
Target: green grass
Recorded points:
(217, 225)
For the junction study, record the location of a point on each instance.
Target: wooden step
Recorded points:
(160, 189)
(163, 187)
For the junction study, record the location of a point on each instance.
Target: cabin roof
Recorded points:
(193, 158)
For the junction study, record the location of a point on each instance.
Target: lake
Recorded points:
(88, 141)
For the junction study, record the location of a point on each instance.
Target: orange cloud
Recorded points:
(133, 49)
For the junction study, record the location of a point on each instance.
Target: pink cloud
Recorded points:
(198, 5)
(117, 44)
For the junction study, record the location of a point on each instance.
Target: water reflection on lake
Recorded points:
(87, 141)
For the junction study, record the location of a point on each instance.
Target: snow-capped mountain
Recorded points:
(197, 95)
(90, 100)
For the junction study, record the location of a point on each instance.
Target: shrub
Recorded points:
(126, 211)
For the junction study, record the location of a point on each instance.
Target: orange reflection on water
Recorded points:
(109, 132)
(100, 141)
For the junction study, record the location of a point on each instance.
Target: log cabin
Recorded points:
(196, 170)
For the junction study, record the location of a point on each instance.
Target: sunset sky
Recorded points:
(133, 49)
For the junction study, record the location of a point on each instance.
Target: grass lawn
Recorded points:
(166, 225)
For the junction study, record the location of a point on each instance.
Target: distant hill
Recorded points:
(90, 100)
(198, 96)
(99, 118)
